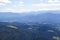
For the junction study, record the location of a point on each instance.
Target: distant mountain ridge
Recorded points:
(39, 17)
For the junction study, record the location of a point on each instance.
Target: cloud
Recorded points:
(16, 10)
(46, 6)
(22, 6)
(4, 2)
(34, 7)
(53, 1)
(21, 3)
(7, 10)
(18, 5)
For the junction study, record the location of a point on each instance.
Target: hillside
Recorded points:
(34, 17)
(19, 31)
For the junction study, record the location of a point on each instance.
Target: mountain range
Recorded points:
(31, 17)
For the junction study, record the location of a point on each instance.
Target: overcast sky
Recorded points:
(28, 5)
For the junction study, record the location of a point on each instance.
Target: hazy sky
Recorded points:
(28, 5)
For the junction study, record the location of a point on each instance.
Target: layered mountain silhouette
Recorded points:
(36, 17)
(42, 25)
